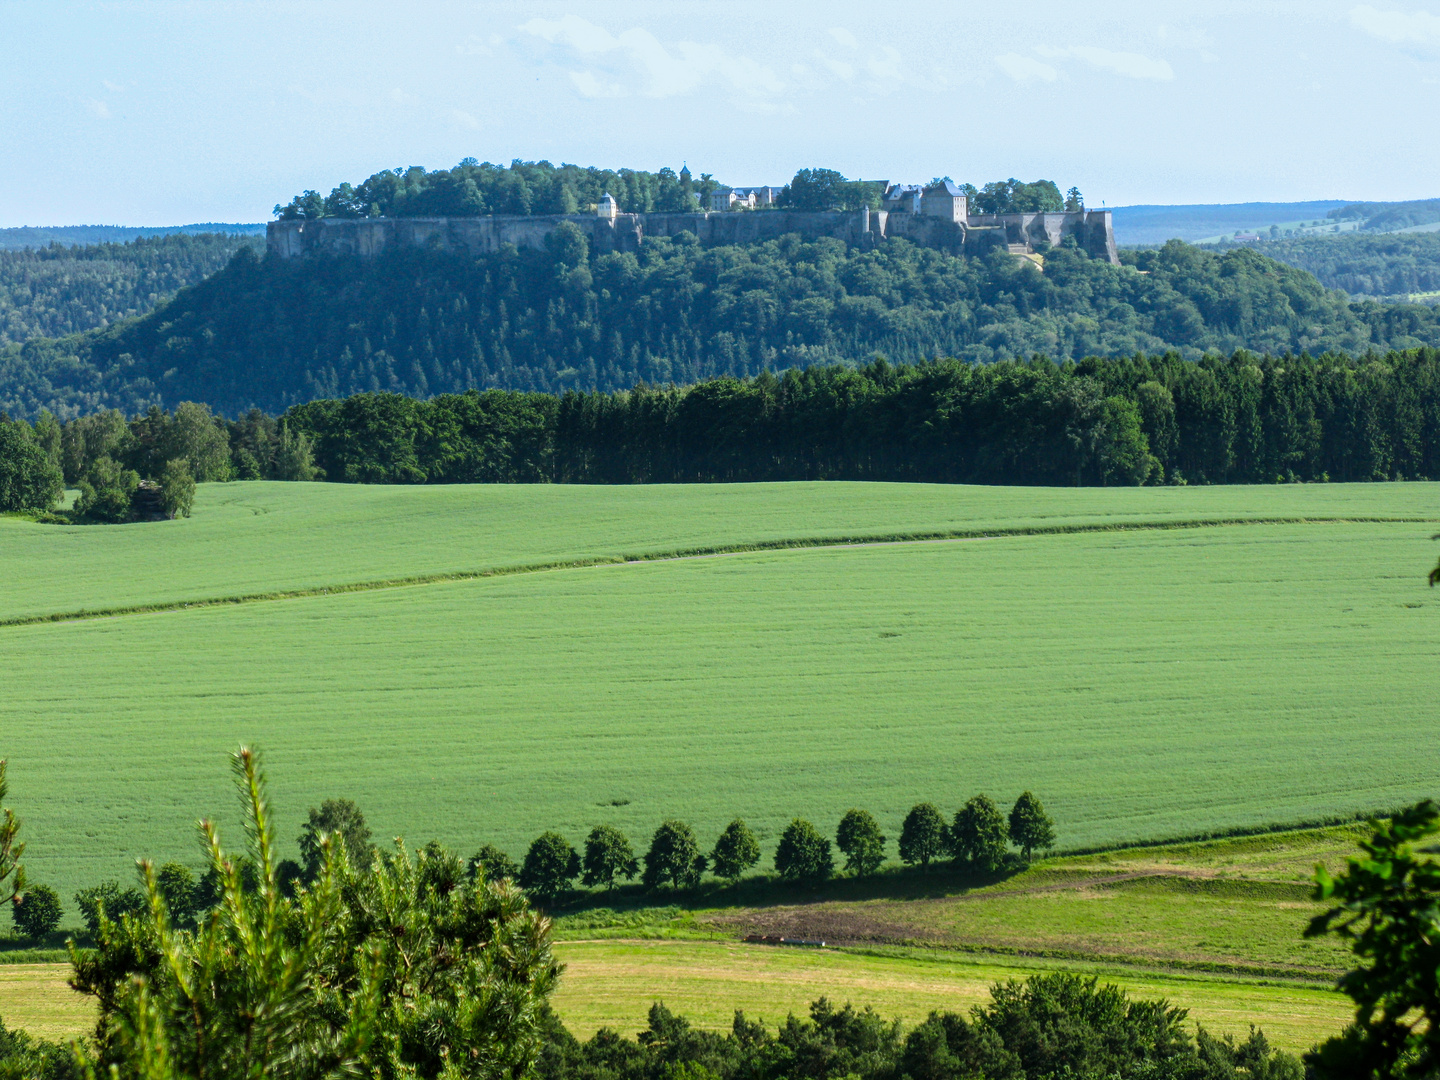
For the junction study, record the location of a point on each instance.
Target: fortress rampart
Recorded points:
(1020, 234)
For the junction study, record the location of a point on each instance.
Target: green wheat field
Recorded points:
(1147, 682)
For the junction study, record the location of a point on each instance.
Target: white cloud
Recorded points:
(664, 74)
(114, 88)
(1420, 27)
(1024, 69)
(1131, 65)
(98, 108)
(403, 97)
(844, 37)
(888, 65)
(591, 86)
(464, 119)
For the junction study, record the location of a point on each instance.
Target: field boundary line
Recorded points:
(707, 551)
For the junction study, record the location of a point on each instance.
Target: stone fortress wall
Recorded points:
(948, 227)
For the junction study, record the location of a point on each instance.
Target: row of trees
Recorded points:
(977, 839)
(271, 333)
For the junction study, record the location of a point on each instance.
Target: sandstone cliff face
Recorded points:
(1021, 233)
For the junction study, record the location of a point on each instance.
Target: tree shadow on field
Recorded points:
(940, 880)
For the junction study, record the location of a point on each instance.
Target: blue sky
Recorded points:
(152, 113)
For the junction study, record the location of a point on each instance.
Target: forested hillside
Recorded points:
(1364, 264)
(269, 333)
(58, 290)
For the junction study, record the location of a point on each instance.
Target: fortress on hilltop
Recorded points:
(935, 215)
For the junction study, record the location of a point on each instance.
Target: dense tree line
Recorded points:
(1365, 265)
(1241, 419)
(271, 333)
(58, 290)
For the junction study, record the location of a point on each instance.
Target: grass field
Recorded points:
(260, 537)
(1148, 683)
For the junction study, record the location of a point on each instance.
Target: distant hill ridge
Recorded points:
(36, 236)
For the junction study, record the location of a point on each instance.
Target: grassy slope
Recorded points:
(1146, 684)
(260, 537)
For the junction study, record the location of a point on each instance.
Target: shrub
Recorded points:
(863, 844)
(922, 836)
(803, 854)
(37, 912)
(736, 851)
(551, 865)
(674, 857)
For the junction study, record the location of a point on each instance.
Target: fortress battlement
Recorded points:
(951, 230)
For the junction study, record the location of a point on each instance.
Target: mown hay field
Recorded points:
(1146, 684)
(613, 983)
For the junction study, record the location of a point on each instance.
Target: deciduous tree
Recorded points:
(736, 851)
(608, 855)
(1030, 826)
(978, 835)
(37, 911)
(177, 488)
(493, 863)
(551, 865)
(803, 854)
(12, 871)
(1387, 908)
(860, 839)
(340, 818)
(674, 857)
(922, 835)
